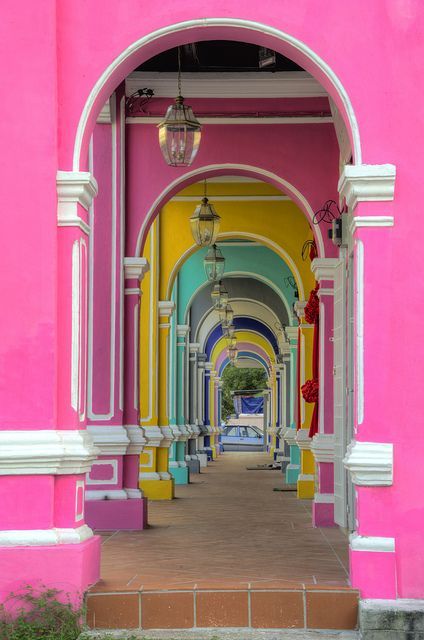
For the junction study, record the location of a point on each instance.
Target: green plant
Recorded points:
(39, 615)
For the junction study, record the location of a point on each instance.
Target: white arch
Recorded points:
(243, 307)
(229, 167)
(243, 274)
(238, 23)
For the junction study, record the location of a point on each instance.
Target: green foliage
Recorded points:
(32, 615)
(235, 379)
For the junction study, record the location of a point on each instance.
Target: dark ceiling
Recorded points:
(219, 56)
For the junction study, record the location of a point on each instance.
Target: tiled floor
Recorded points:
(227, 529)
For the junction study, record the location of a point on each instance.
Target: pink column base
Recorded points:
(373, 573)
(70, 568)
(104, 515)
(323, 514)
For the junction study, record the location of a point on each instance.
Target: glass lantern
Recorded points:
(232, 353)
(179, 134)
(214, 264)
(205, 224)
(219, 296)
(229, 331)
(226, 315)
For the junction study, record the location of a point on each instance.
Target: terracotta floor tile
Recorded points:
(277, 609)
(113, 611)
(222, 609)
(167, 610)
(329, 610)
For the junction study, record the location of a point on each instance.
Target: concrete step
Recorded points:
(225, 634)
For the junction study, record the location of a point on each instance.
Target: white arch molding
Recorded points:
(235, 23)
(241, 274)
(243, 308)
(228, 168)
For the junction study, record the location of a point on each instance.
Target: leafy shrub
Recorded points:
(39, 615)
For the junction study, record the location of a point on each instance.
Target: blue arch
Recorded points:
(242, 323)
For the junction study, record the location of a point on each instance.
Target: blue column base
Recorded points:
(292, 473)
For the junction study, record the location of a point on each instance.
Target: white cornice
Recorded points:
(153, 436)
(44, 537)
(370, 463)
(371, 543)
(303, 440)
(322, 447)
(109, 439)
(183, 330)
(323, 268)
(76, 187)
(168, 436)
(135, 268)
(46, 452)
(375, 222)
(136, 438)
(289, 435)
(292, 334)
(299, 308)
(194, 347)
(166, 308)
(293, 84)
(367, 182)
(105, 116)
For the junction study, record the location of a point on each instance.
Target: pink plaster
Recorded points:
(102, 472)
(373, 573)
(322, 514)
(18, 497)
(326, 477)
(108, 515)
(69, 501)
(44, 566)
(131, 471)
(61, 69)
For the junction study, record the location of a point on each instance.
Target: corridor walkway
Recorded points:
(228, 552)
(226, 528)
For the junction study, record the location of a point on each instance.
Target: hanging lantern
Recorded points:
(180, 131)
(232, 353)
(214, 264)
(229, 331)
(231, 341)
(226, 315)
(219, 295)
(205, 224)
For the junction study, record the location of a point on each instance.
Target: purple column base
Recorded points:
(323, 514)
(127, 515)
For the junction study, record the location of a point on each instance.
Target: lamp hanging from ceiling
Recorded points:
(219, 295)
(232, 353)
(180, 131)
(214, 264)
(229, 331)
(226, 315)
(205, 223)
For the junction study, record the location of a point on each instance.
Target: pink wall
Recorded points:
(306, 156)
(52, 78)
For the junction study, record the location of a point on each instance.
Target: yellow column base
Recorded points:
(214, 456)
(305, 488)
(306, 480)
(158, 489)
